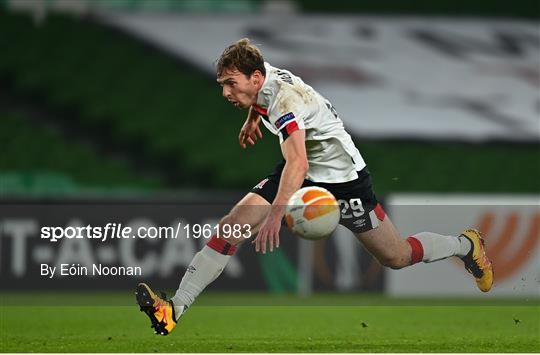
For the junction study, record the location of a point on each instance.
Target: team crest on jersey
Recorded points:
(284, 119)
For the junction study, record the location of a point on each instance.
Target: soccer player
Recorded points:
(317, 151)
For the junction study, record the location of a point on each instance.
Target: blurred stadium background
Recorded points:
(109, 112)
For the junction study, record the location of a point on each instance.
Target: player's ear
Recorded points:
(257, 77)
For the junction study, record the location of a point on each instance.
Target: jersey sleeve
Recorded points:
(287, 116)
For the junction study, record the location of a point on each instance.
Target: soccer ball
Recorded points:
(312, 213)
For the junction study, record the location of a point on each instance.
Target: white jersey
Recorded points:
(287, 104)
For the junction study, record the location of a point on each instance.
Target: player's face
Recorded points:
(239, 89)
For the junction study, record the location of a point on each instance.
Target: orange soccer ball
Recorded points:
(312, 213)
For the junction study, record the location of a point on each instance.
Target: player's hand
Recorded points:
(269, 232)
(249, 133)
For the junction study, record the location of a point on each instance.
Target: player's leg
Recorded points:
(205, 266)
(385, 243)
(364, 216)
(210, 261)
(208, 264)
(391, 250)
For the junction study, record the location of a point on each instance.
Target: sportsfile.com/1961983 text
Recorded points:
(119, 231)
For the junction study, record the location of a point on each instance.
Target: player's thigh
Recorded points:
(380, 239)
(246, 215)
(363, 215)
(386, 245)
(251, 209)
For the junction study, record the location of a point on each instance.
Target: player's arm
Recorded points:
(250, 130)
(292, 177)
(294, 172)
(253, 115)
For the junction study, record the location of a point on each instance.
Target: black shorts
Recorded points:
(360, 210)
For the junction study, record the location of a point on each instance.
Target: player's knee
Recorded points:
(232, 229)
(231, 220)
(393, 261)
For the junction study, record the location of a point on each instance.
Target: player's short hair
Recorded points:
(242, 55)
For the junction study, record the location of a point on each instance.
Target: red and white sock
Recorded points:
(205, 267)
(429, 247)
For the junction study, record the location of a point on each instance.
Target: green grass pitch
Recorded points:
(252, 322)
